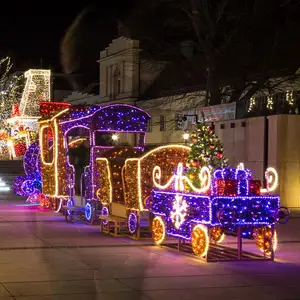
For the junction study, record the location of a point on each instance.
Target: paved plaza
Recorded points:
(43, 257)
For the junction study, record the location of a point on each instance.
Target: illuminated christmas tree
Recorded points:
(206, 150)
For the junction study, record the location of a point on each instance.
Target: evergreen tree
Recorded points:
(206, 150)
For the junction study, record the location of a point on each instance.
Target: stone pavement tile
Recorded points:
(3, 291)
(249, 293)
(30, 256)
(58, 229)
(145, 271)
(48, 267)
(288, 252)
(111, 250)
(287, 232)
(135, 263)
(125, 296)
(22, 241)
(66, 287)
(185, 282)
(104, 296)
(80, 240)
(252, 268)
(46, 275)
(175, 295)
(227, 293)
(22, 215)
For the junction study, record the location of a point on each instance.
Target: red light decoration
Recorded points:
(49, 109)
(15, 111)
(254, 187)
(20, 149)
(226, 187)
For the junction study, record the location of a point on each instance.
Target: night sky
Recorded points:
(33, 31)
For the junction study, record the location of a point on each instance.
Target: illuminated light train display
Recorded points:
(148, 187)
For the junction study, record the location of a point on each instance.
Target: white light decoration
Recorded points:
(23, 121)
(179, 211)
(115, 137)
(179, 178)
(186, 136)
(11, 148)
(271, 176)
(37, 89)
(3, 186)
(270, 102)
(289, 98)
(252, 104)
(241, 166)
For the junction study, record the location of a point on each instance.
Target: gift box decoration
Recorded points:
(254, 187)
(20, 149)
(234, 178)
(226, 187)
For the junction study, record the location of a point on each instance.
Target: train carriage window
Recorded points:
(118, 139)
(47, 145)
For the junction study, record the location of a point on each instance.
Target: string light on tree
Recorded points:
(206, 150)
(252, 104)
(270, 102)
(11, 87)
(290, 98)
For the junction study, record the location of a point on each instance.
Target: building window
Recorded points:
(119, 86)
(178, 122)
(162, 123)
(149, 125)
(117, 82)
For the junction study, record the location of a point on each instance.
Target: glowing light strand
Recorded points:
(271, 181)
(179, 178)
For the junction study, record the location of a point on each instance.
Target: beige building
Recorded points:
(259, 142)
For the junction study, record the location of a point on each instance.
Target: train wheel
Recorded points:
(158, 230)
(200, 240)
(70, 203)
(132, 223)
(88, 211)
(105, 212)
(217, 234)
(264, 239)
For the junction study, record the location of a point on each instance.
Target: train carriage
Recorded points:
(229, 200)
(118, 176)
